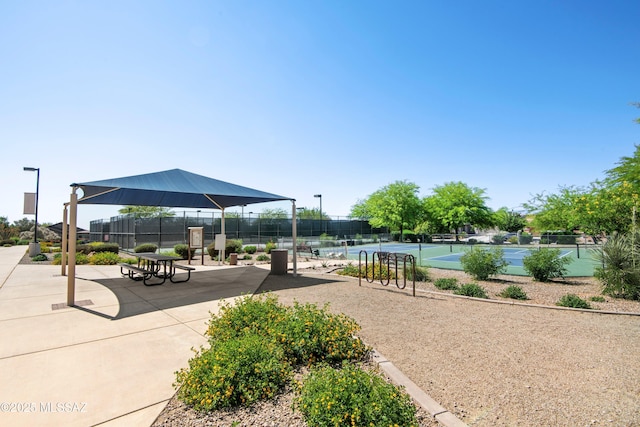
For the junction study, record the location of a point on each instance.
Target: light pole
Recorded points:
(35, 229)
(320, 197)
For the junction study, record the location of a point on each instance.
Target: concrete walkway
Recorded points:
(111, 361)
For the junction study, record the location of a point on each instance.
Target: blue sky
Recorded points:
(304, 97)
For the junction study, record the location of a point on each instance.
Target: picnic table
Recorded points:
(152, 266)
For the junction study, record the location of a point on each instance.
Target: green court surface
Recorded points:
(447, 256)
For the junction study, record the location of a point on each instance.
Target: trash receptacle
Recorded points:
(233, 259)
(279, 259)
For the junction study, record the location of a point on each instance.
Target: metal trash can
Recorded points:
(279, 259)
(233, 259)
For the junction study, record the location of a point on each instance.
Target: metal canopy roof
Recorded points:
(171, 188)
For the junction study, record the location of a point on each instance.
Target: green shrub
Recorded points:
(446, 283)
(39, 258)
(309, 334)
(483, 263)
(422, 274)
(514, 292)
(472, 290)
(234, 372)
(269, 247)
(182, 250)
(597, 298)
(498, 239)
(374, 271)
(263, 257)
(313, 335)
(349, 270)
(7, 242)
(545, 264)
(247, 257)
(525, 238)
(146, 247)
(104, 258)
(352, 397)
(81, 259)
(574, 301)
(231, 246)
(104, 247)
(250, 249)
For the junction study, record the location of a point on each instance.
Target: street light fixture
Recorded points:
(37, 170)
(321, 218)
(320, 197)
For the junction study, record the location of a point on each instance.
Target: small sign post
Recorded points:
(196, 241)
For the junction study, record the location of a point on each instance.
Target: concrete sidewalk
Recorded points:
(111, 361)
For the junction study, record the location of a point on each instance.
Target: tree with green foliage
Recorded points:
(6, 229)
(277, 213)
(147, 211)
(555, 211)
(306, 213)
(626, 171)
(396, 206)
(510, 221)
(455, 204)
(24, 224)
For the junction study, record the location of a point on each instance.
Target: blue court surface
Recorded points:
(448, 256)
(513, 256)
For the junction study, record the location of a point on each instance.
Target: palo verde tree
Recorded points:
(510, 221)
(455, 204)
(147, 211)
(396, 206)
(556, 211)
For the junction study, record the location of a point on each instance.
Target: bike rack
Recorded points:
(387, 257)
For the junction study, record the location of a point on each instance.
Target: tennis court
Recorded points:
(447, 256)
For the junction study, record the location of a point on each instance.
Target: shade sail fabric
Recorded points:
(171, 188)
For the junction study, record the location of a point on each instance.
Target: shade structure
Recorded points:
(171, 188)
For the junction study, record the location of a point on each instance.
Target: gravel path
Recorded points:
(489, 364)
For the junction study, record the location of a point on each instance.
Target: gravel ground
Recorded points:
(489, 364)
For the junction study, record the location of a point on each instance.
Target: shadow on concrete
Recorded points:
(134, 298)
(287, 281)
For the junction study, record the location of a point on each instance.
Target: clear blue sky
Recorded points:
(304, 97)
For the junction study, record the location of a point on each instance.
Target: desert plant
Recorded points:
(250, 249)
(349, 270)
(182, 250)
(351, 396)
(104, 247)
(39, 258)
(104, 258)
(269, 247)
(597, 298)
(483, 263)
(619, 271)
(472, 290)
(514, 292)
(545, 264)
(234, 372)
(422, 274)
(446, 283)
(573, 301)
(80, 259)
(263, 257)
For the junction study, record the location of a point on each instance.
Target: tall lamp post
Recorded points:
(35, 250)
(321, 221)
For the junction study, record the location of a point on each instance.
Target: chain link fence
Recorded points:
(128, 231)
